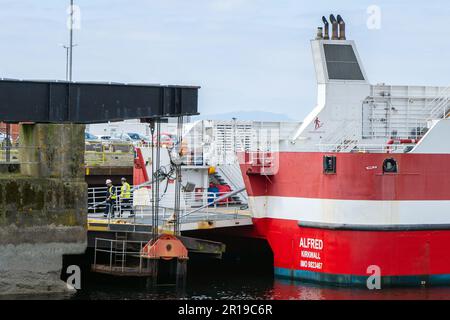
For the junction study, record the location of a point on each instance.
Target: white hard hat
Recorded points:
(108, 181)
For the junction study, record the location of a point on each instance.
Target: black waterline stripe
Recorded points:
(362, 227)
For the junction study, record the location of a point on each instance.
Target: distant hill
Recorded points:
(245, 116)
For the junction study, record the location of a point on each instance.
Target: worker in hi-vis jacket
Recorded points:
(125, 196)
(111, 197)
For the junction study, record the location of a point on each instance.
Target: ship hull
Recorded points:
(359, 223)
(347, 257)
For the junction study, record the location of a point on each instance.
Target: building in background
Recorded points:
(14, 130)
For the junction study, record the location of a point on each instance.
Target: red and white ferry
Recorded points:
(363, 184)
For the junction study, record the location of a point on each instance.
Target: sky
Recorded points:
(247, 55)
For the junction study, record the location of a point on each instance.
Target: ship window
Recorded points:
(390, 166)
(329, 164)
(342, 63)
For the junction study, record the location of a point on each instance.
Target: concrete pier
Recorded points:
(42, 209)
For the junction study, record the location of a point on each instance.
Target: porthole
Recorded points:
(390, 166)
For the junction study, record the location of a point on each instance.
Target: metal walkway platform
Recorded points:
(214, 218)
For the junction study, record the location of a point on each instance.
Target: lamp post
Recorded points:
(70, 50)
(234, 135)
(68, 61)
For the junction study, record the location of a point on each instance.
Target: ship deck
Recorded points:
(213, 219)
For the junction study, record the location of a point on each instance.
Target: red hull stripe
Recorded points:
(344, 252)
(358, 177)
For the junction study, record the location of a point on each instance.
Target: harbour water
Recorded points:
(243, 278)
(230, 286)
(252, 286)
(248, 287)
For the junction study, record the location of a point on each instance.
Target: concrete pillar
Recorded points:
(52, 151)
(181, 273)
(43, 209)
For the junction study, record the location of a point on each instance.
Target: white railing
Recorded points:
(337, 148)
(441, 107)
(195, 159)
(396, 129)
(119, 255)
(190, 200)
(97, 201)
(261, 158)
(365, 148)
(394, 116)
(233, 176)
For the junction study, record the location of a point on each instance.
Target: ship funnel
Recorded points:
(341, 23)
(334, 23)
(326, 26)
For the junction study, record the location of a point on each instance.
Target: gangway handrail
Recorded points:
(145, 184)
(225, 196)
(440, 101)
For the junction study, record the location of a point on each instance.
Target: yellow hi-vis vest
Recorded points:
(125, 191)
(112, 192)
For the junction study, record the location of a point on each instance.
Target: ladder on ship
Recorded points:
(120, 248)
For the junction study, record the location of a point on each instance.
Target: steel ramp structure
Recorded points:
(91, 102)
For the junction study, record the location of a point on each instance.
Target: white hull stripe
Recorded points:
(354, 212)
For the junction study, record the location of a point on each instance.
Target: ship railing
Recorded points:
(197, 199)
(232, 174)
(118, 256)
(412, 132)
(410, 128)
(195, 158)
(364, 148)
(142, 204)
(191, 201)
(97, 201)
(441, 108)
(167, 215)
(353, 147)
(259, 158)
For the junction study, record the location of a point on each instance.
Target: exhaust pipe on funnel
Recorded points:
(334, 24)
(341, 23)
(326, 25)
(319, 35)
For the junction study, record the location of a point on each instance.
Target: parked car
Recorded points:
(138, 138)
(92, 142)
(91, 137)
(105, 138)
(167, 139)
(129, 137)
